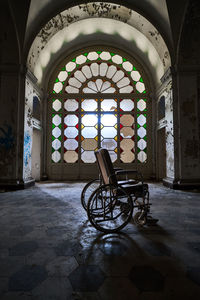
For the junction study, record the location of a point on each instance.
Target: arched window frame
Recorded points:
(136, 95)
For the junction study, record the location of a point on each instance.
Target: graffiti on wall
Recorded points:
(28, 131)
(7, 149)
(27, 148)
(6, 137)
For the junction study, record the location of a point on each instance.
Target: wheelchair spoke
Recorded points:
(107, 211)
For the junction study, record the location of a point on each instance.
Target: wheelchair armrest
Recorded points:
(122, 172)
(117, 169)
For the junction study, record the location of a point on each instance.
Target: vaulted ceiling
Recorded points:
(42, 11)
(142, 26)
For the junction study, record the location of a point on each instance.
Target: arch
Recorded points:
(84, 20)
(188, 46)
(92, 25)
(154, 11)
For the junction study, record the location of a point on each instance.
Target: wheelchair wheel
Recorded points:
(140, 218)
(109, 208)
(88, 189)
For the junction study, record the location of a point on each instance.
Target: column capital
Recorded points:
(13, 69)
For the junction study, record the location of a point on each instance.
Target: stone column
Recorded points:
(188, 129)
(44, 137)
(28, 132)
(12, 94)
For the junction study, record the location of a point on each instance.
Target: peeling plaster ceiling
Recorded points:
(107, 18)
(41, 8)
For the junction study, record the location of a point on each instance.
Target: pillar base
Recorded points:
(10, 185)
(181, 184)
(44, 177)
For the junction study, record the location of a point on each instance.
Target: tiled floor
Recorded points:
(48, 249)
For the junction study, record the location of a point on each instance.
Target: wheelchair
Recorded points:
(111, 199)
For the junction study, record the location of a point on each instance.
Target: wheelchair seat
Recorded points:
(110, 176)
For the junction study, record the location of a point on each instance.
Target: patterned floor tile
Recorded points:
(50, 251)
(27, 278)
(24, 248)
(61, 266)
(86, 278)
(146, 278)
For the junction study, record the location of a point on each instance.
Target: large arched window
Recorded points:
(98, 99)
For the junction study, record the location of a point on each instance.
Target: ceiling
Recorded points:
(42, 11)
(149, 41)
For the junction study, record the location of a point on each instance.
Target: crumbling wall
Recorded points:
(9, 94)
(188, 123)
(169, 131)
(28, 130)
(187, 72)
(8, 119)
(165, 90)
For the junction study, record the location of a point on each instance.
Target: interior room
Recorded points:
(75, 77)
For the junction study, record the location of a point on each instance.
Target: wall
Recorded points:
(37, 134)
(189, 150)
(188, 98)
(36, 152)
(28, 130)
(165, 90)
(8, 121)
(30, 123)
(10, 96)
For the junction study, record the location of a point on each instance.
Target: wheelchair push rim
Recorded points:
(88, 189)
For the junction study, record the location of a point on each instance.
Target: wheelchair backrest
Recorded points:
(105, 166)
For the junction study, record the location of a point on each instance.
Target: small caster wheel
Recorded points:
(140, 218)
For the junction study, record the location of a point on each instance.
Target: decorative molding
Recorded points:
(31, 77)
(36, 124)
(33, 80)
(161, 124)
(166, 83)
(167, 76)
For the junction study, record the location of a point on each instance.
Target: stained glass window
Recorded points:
(89, 137)
(71, 138)
(99, 99)
(56, 138)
